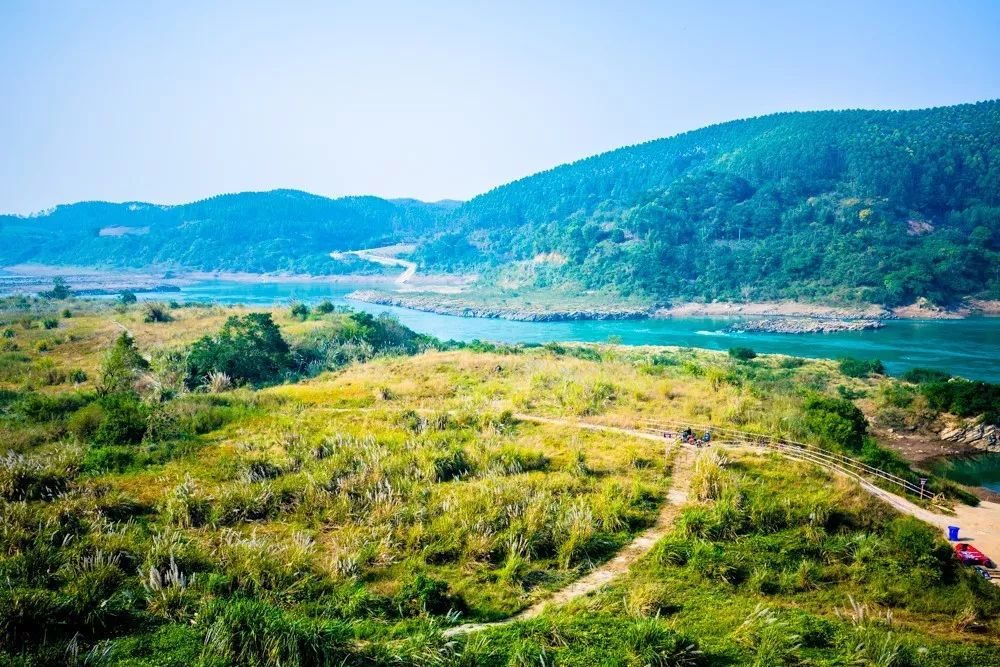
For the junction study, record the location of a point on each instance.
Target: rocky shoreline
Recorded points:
(984, 437)
(802, 325)
(797, 324)
(434, 304)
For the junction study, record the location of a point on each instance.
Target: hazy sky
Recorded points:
(173, 101)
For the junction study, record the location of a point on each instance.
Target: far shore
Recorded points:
(32, 278)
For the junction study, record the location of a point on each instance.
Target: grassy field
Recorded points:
(378, 489)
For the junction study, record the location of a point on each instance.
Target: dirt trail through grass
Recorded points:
(680, 480)
(982, 522)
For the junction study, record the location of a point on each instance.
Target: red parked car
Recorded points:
(970, 555)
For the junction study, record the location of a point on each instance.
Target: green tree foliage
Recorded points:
(742, 353)
(325, 307)
(923, 375)
(877, 206)
(965, 398)
(122, 365)
(247, 349)
(356, 337)
(281, 230)
(835, 421)
(860, 368)
(127, 297)
(123, 419)
(60, 289)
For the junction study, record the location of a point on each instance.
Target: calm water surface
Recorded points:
(979, 470)
(969, 348)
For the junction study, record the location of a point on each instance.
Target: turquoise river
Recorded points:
(969, 348)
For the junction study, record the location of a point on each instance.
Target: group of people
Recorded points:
(688, 436)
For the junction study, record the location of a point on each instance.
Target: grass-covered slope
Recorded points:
(374, 488)
(281, 230)
(879, 206)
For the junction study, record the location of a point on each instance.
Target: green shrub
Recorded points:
(122, 365)
(127, 297)
(860, 368)
(742, 353)
(109, 458)
(299, 311)
(835, 421)
(44, 407)
(325, 307)
(60, 290)
(155, 312)
(925, 375)
(77, 376)
(425, 595)
(84, 422)
(247, 349)
(67, 313)
(965, 398)
(124, 419)
(46, 373)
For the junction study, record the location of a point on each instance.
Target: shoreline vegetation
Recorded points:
(453, 295)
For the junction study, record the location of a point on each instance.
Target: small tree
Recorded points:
(742, 353)
(300, 311)
(247, 349)
(121, 366)
(836, 421)
(155, 312)
(127, 297)
(60, 290)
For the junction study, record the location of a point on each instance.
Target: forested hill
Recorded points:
(280, 230)
(880, 206)
(874, 206)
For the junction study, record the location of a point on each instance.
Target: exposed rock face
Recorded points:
(981, 436)
(523, 314)
(801, 325)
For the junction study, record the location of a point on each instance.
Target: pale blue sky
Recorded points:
(172, 101)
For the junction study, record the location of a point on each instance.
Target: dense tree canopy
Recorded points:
(282, 230)
(879, 206)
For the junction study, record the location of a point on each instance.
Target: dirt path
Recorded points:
(979, 525)
(680, 481)
(409, 268)
(982, 523)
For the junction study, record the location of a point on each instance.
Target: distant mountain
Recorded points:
(873, 206)
(280, 230)
(879, 206)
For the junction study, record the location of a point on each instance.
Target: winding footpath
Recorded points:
(983, 522)
(680, 481)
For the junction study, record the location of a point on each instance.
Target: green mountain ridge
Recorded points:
(876, 206)
(838, 206)
(279, 230)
